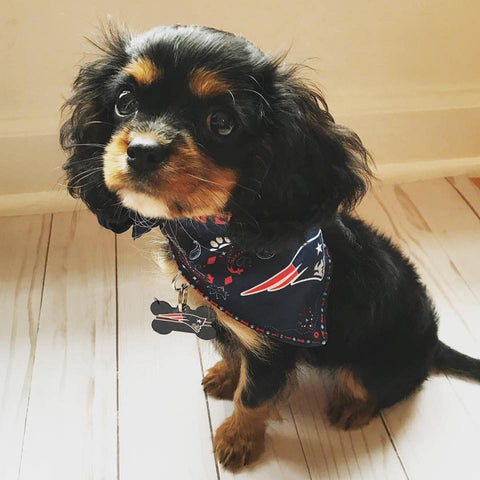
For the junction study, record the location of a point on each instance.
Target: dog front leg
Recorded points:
(221, 380)
(240, 438)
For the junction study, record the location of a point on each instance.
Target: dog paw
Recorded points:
(219, 243)
(235, 448)
(350, 416)
(220, 381)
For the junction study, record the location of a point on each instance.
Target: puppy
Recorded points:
(192, 126)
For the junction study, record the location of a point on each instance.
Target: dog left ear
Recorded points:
(310, 168)
(87, 129)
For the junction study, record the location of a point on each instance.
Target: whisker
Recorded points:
(98, 122)
(222, 187)
(248, 189)
(94, 182)
(255, 80)
(83, 160)
(205, 180)
(246, 212)
(257, 93)
(79, 178)
(87, 145)
(87, 171)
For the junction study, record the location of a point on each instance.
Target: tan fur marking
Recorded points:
(349, 384)
(206, 84)
(163, 256)
(115, 170)
(253, 341)
(221, 380)
(240, 439)
(144, 71)
(350, 406)
(190, 184)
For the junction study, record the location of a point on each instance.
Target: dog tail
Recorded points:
(449, 360)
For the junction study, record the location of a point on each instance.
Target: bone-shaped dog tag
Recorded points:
(168, 319)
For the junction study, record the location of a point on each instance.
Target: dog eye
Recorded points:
(221, 123)
(126, 104)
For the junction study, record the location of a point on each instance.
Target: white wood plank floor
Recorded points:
(89, 391)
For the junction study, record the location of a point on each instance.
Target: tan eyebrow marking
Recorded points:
(204, 83)
(143, 70)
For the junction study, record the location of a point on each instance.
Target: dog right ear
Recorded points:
(88, 128)
(307, 168)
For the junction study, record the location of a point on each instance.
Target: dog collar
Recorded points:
(283, 295)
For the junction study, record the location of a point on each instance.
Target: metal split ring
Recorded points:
(182, 290)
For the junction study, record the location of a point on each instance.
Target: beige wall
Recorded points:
(404, 74)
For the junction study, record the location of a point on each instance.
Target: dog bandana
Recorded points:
(282, 295)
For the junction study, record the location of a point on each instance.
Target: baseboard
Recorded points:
(406, 145)
(427, 169)
(59, 201)
(396, 141)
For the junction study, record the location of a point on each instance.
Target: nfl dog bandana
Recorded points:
(283, 296)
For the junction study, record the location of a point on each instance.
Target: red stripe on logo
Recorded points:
(272, 281)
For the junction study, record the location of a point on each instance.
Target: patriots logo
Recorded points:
(296, 272)
(168, 319)
(195, 322)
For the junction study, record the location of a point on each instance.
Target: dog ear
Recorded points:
(307, 168)
(87, 129)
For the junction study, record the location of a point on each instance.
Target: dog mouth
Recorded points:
(165, 180)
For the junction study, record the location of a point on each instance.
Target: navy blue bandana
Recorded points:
(283, 296)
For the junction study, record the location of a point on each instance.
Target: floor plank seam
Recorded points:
(462, 196)
(117, 363)
(34, 347)
(418, 260)
(300, 441)
(364, 438)
(202, 368)
(431, 434)
(354, 450)
(392, 441)
(459, 397)
(45, 269)
(404, 241)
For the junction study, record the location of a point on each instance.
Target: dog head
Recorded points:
(183, 121)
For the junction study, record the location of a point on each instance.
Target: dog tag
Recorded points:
(183, 319)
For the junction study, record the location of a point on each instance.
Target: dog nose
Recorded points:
(145, 154)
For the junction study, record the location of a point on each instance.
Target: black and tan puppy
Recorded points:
(186, 122)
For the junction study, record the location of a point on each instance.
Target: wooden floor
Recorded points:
(89, 391)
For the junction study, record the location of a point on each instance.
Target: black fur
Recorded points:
(449, 360)
(297, 169)
(88, 128)
(306, 167)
